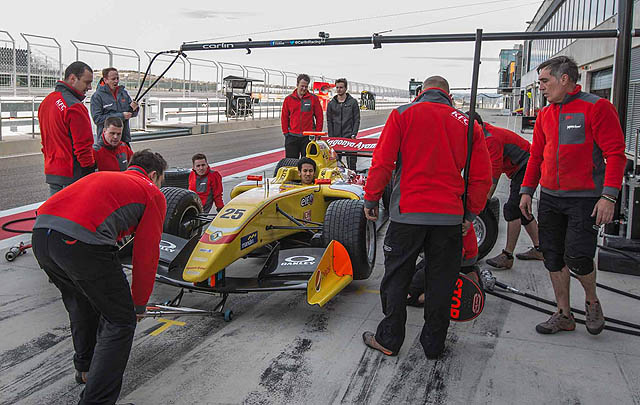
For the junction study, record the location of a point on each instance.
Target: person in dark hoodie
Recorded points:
(301, 111)
(65, 129)
(110, 153)
(343, 117)
(205, 182)
(112, 100)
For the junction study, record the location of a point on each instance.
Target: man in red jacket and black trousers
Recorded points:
(65, 128)
(577, 156)
(75, 242)
(110, 153)
(206, 183)
(424, 144)
(301, 111)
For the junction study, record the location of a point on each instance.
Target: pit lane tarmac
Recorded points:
(280, 350)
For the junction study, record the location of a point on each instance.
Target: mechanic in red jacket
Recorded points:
(301, 111)
(577, 156)
(110, 153)
(509, 155)
(424, 146)
(205, 182)
(65, 128)
(75, 242)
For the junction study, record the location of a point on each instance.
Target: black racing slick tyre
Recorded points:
(176, 177)
(345, 222)
(285, 162)
(486, 227)
(183, 206)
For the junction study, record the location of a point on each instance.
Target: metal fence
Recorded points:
(32, 66)
(192, 91)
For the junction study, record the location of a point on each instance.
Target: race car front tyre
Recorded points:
(486, 227)
(345, 222)
(182, 208)
(285, 162)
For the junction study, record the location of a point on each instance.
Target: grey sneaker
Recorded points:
(503, 261)
(531, 254)
(595, 318)
(558, 322)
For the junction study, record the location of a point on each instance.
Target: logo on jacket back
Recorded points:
(460, 117)
(574, 126)
(60, 104)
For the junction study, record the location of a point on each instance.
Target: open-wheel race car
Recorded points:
(314, 238)
(300, 237)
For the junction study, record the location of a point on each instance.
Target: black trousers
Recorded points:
(443, 250)
(97, 297)
(295, 146)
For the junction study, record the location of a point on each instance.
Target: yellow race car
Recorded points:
(313, 237)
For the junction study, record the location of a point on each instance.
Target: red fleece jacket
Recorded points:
(577, 148)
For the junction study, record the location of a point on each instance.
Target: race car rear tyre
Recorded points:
(345, 222)
(176, 177)
(182, 208)
(285, 162)
(486, 227)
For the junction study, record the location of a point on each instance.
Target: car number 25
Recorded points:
(232, 213)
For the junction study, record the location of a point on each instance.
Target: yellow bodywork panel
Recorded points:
(334, 273)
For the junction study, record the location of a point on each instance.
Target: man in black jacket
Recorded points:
(343, 116)
(111, 99)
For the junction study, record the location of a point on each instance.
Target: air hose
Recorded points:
(490, 282)
(178, 54)
(5, 226)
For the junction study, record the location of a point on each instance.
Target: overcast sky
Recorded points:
(161, 25)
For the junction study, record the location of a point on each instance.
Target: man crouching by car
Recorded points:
(75, 242)
(424, 144)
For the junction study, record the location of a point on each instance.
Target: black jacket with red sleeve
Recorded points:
(424, 144)
(66, 135)
(106, 207)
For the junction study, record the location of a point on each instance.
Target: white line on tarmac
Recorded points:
(20, 155)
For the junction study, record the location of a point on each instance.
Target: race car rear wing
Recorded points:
(352, 146)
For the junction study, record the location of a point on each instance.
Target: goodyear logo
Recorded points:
(248, 240)
(306, 200)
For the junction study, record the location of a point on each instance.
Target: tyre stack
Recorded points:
(176, 177)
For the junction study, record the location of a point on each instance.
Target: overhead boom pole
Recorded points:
(377, 40)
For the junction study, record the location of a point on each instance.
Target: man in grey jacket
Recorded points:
(343, 117)
(112, 100)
